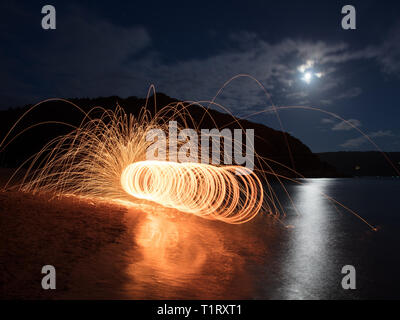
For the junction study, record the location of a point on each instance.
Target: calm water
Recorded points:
(185, 257)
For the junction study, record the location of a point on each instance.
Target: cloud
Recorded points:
(85, 56)
(327, 120)
(388, 54)
(92, 56)
(357, 142)
(275, 65)
(345, 126)
(309, 64)
(350, 93)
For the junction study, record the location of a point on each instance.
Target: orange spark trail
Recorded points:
(231, 194)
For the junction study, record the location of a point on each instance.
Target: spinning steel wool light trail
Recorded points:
(106, 158)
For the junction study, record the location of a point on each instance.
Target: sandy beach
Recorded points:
(60, 232)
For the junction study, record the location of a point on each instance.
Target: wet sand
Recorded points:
(35, 231)
(103, 250)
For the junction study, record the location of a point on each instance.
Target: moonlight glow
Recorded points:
(308, 73)
(307, 77)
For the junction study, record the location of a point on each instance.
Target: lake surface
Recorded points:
(179, 256)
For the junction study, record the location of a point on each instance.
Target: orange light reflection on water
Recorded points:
(183, 255)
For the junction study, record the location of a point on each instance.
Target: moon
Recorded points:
(307, 71)
(307, 77)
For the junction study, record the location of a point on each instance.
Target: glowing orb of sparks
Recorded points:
(205, 190)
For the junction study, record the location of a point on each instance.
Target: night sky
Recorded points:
(189, 49)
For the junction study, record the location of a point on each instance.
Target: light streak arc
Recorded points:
(232, 194)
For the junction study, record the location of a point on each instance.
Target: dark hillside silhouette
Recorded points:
(367, 163)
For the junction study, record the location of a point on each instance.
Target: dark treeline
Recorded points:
(367, 163)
